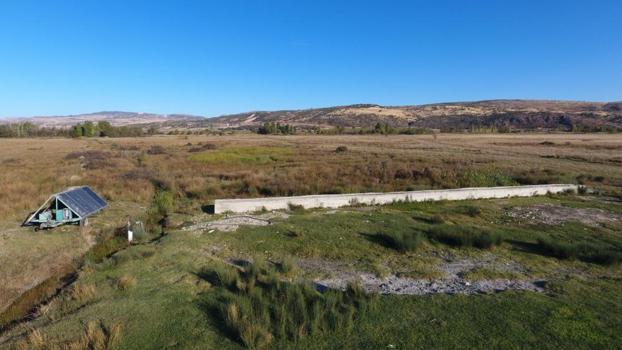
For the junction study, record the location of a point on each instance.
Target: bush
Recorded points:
(341, 149)
(126, 282)
(288, 265)
(203, 147)
(262, 309)
(295, 207)
(464, 236)
(433, 220)
(588, 252)
(156, 149)
(161, 206)
(220, 275)
(401, 241)
(469, 210)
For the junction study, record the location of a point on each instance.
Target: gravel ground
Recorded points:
(232, 223)
(549, 214)
(453, 283)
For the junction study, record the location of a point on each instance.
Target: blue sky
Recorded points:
(218, 57)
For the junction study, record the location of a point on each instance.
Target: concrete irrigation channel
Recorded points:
(375, 198)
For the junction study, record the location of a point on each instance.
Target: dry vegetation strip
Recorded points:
(202, 168)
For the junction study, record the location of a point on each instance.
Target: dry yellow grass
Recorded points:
(122, 169)
(126, 282)
(95, 336)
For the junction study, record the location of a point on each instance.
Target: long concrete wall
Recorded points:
(343, 200)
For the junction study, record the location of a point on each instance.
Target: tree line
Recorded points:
(105, 129)
(86, 129)
(28, 129)
(270, 128)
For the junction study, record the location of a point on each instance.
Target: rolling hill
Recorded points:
(454, 116)
(517, 114)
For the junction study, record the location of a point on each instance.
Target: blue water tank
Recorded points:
(60, 215)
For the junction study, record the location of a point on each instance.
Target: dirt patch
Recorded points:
(453, 283)
(232, 223)
(550, 214)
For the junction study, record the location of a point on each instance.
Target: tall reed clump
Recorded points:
(464, 236)
(589, 252)
(400, 241)
(96, 336)
(258, 309)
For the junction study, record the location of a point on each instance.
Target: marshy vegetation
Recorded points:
(259, 309)
(599, 252)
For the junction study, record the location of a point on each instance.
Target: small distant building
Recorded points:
(72, 206)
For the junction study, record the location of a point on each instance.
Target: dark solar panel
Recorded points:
(83, 201)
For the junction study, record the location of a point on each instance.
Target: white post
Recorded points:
(130, 234)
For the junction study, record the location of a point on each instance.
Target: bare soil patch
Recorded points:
(232, 223)
(549, 214)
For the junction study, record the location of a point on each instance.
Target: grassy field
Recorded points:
(160, 293)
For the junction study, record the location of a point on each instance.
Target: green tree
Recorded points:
(105, 128)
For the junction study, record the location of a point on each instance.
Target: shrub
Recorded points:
(161, 206)
(341, 149)
(436, 219)
(477, 178)
(83, 293)
(295, 207)
(433, 220)
(401, 241)
(156, 149)
(464, 236)
(220, 275)
(469, 210)
(126, 282)
(203, 147)
(288, 265)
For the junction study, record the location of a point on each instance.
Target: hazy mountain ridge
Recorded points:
(116, 118)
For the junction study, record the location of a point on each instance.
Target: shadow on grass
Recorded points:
(208, 208)
(379, 238)
(214, 316)
(529, 247)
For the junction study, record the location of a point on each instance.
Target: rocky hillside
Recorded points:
(456, 116)
(514, 114)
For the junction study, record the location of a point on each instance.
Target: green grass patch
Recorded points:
(246, 155)
(482, 178)
(483, 273)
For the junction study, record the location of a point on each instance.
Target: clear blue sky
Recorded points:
(217, 57)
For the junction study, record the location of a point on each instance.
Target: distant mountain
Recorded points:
(456, 116)
(114, 117)
(514, 114)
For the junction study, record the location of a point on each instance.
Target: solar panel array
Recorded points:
(83, 201)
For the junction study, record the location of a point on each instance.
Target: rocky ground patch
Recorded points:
(232, 223)
(456, 280)
(550, 214)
